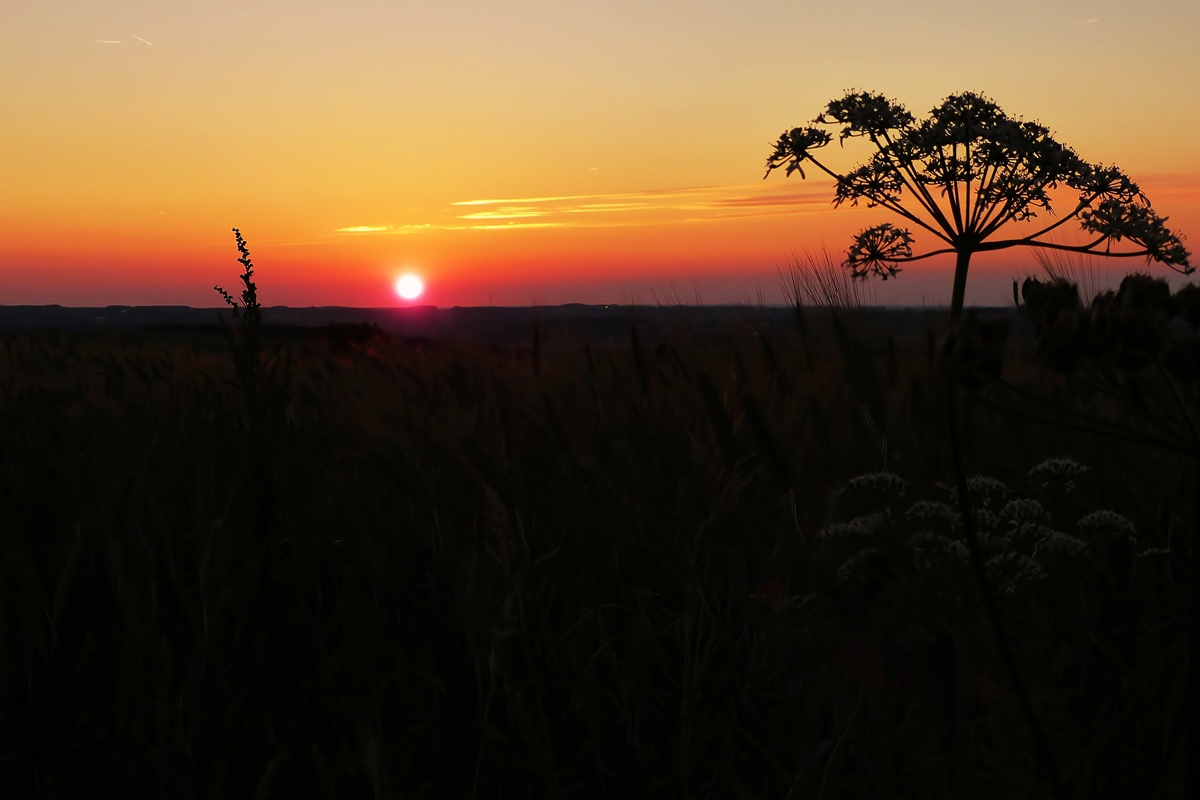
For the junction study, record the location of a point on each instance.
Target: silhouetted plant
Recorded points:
(907, 560)
(246, 344)
(263, 382)
(962, 175)
(1140, 346)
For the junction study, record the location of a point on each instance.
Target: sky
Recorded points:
(519, 152)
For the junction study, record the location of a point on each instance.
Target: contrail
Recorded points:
(107, 41)
(140, 39)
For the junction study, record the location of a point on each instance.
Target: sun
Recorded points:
(409, 286)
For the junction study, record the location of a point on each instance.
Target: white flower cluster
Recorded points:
(871, 493)
(884, 484)
(986, 489)
(850, 565)
(1010, 570)
(1062, 472)
(867, 526)
(1107, 522)
(934, 544)
(1016, 535)
(931, 511)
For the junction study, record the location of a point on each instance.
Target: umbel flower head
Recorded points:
(793, 148)
(878, 250)
(878, 540)
(962, 174)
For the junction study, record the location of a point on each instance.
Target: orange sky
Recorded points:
(621, 143)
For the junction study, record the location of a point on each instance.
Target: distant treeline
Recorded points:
(499, 325)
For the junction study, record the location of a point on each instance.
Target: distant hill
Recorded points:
(493, 324)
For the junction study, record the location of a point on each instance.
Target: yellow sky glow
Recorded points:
(572, 151)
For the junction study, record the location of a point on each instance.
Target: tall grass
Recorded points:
(1089, 273)
(815, 280)
(639, 570)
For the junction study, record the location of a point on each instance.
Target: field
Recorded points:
(725, 561)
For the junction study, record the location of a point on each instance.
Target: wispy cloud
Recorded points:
(140, 39)
(687, 205)
(605, 208)
(1090, 21)
(506, 212)
(781, 200)
(656, 206)
(385, 228)
(566, 197)
(512, 226)
(510, 200)
(108, 41)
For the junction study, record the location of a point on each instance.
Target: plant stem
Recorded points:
(962, 682)
(838, 746)
(1041, 747)
(961, 265)
(1192, 782)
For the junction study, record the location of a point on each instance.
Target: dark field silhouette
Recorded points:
(719, 560)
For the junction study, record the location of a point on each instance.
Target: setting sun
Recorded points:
(409, 287)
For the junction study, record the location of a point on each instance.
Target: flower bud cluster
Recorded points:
(877, 537)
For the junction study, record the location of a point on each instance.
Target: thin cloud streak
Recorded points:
(602, 208)
(716, 199)
(563, 198)
(505, 213)
(654, 207)
(512, 226)
(395, 229)
(140, 39)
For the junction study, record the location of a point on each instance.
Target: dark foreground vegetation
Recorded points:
(719, 566)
